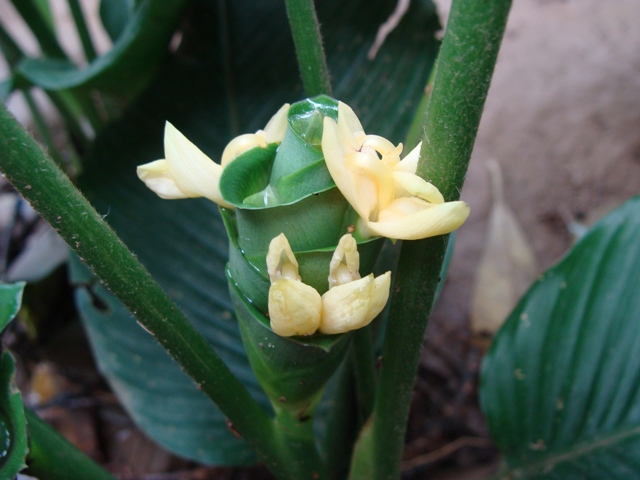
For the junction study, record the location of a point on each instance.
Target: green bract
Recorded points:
(286, 188)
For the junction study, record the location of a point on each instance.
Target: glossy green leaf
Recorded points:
(183, 243)
(560, 384)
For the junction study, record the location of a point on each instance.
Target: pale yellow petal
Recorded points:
(390, 154)
(412, 219)
(294, 308)
(194, 173)
(408, 184)
(240, 145)
(350, 127)
(156, 176)
(334, 150)
(354, 305)
(281, 262)
(374, 183)
(345, 262)
(381, 288)
(277, 126)
(409, 163)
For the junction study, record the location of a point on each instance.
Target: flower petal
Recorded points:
(355, 304)
(410, 218)
(409, 163)
(281, 262)
(156, 176)
(241, 144)
(277, 126)
(334, 149)
(374, 183)
(350, 127)
(408, 184)
(345, 262)
(194, 173)
(294, 308)
(388, 151)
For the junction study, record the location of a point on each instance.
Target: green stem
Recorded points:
(52, 457)
(417, 124)
(296, 439)
(463, 73)
(342, 423)
(467, 58)
(308, 41)
(83, 31)
(51, 193)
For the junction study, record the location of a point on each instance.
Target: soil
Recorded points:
(563, 120)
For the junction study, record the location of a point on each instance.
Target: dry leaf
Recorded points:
(507, 267)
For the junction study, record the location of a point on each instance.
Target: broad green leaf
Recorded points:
(13, 435)
(211, 94)
(123, 69)
(560, 383)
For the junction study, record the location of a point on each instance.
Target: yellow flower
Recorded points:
(298, 309)
(294, 307)
(187, 172)
(391, 200)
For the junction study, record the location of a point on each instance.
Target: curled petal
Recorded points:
(374, 184)
(345, 262)
(156, 176)
(241, 144)
(350, 127)
(294, 308)
(408, 184)
(277, 126)
(354, 304)
(410, 218)
(272, 133)
(409, 163)
(281, 262)
(186, 171)
(388, 151)
(334, 150)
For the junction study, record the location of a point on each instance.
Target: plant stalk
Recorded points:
(463, 73)
(308, 42)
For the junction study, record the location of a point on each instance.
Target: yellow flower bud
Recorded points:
(294, 307)
(350, 303)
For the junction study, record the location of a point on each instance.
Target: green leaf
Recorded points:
(13, 435)
(560, 383)
(161, 398)
(114, 15)
(293, 370)
(123, 69)
(10, 301)
(183, 243)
